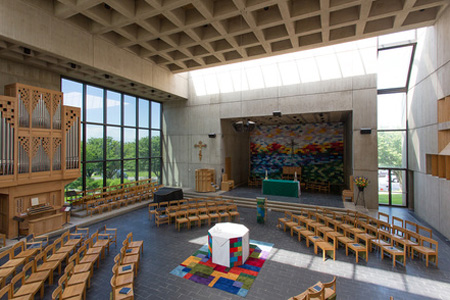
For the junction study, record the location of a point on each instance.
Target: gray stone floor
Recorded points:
(291, 268)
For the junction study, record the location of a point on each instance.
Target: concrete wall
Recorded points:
(27, 24)
(187, 123)
(430, 81)
(12, 72)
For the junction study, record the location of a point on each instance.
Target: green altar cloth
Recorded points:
(287, 188)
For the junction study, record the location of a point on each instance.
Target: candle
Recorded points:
(266, 175)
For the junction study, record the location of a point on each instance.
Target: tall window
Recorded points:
(394, 68)
(120, 139)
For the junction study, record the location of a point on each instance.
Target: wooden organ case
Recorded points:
(39, 155)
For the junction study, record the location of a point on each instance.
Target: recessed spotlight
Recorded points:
(132, 83)
(266, 8)
(422, 10)
(153, 91)
(73, 66)
(168, 96)
(106, 6)
(27, 51)
(107, 76)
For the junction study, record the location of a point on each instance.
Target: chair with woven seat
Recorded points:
(349, 193)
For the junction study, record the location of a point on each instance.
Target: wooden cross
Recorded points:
(200, 145)
(292, 144)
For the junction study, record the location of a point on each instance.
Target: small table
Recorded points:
(287, 188)
(228, 244)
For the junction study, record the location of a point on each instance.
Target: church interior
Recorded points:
(259, 149)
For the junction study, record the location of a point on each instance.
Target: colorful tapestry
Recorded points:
(236, 280)
(318, 148)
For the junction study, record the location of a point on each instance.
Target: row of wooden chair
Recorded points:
(79, 266)
(113, 201)
(205, 215)
(144, 186)
(357, 232)
(125, 268)
(319, 291)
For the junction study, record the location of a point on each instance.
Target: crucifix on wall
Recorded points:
(292, 144)
(200, 145)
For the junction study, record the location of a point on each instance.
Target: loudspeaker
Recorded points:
(238, 126)
(365, 130)
(212, 135)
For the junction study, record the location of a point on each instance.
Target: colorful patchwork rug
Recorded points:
(236, 280)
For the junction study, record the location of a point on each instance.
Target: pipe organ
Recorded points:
(39, 155)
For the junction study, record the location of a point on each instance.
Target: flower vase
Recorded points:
(361, 188)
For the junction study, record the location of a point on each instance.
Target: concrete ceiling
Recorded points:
(286, 119)
(184, 35)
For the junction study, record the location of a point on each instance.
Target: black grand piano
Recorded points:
(167, 194)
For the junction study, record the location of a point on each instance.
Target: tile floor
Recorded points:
(291, 268)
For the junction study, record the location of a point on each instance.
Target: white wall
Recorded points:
(430, 81)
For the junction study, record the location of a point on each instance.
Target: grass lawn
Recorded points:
(397, 199)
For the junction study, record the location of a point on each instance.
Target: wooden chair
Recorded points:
(81, 268)
(42, 265)
(31, 276)
(10, 263)
(116, 295)
(317, 291)
(25, 289)
(233, 212)
(122, 269)
(53, 256)
(223, 213)
(91, 250)
(226, 184)
(19, 251)
(203, 215)
(129, 259)
(122, 279)
(108, 233)
(171, 212)
(58, 295)
(349, 193)
(84, 258)
(383, 239)
(61, 248)
(213, 215)
(282, 221)
(397, 248)
(330, 289)
(161, 217)
(134, 244)
(427, 247)
(77, 278)
(69, 291)
(39, 242)
(102, 244)
(182, 219)
(193, 217)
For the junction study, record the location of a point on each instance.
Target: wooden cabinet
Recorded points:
(205, 180)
